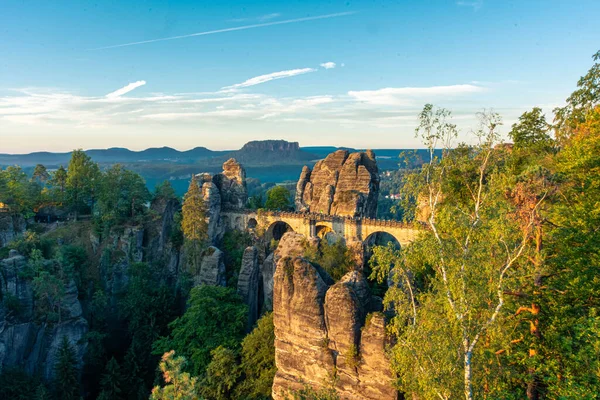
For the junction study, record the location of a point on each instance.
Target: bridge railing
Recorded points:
(330, 218)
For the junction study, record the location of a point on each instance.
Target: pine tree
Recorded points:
(193, 224)
(66, 380)
(111, 382)
(40, 174)
(194, 213)
(180, 385)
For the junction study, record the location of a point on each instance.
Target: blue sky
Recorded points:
(343, 73)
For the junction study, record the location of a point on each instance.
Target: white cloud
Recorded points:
(125, 89)
(257, 80)
(328, 65)
(407, 95)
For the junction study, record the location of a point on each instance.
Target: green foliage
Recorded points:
(147, 306)
(475, 248)
(222, 374)
(194, 225)
(258, 361)
(256, 202)
(111, 382)
(531, 131)
(82, 180)
(309, 393)
(278, 198)
(179, 385)
(30, 242)
(17, 192)
(18, 385)
(164, 191)
(49, 293)
(122, 196)
(66, 383)
(194, 213)
(336, 259)
(579, 103)
(40, 174)
(234, 244)
(216, 316)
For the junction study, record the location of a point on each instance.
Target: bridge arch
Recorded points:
(381, 238)
(276, 230)
(252, 223)
(323, 228)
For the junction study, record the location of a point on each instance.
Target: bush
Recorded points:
(336, 259)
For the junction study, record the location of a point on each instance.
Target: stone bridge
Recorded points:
(273, 224)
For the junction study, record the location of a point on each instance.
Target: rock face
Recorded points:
(212, 268)
(232, 185)
(291, 244)
(341, 184)
(212, 202)
(248, 284)
(324, 335)
(25, 343)
(225, 191)
(157, 235)
(11, 226)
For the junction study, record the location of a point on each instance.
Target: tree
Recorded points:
(40, 174)
(216, 316)
(468, 258)
(579, 103)
(59, 179)
(147, 308)
(278, 198)
(222, 374)
(165, 191)
(255, 202)
(67, 378)
(111, 382)
(568, 355)
(82, 181)
(531, 130)
(179, 385)
(123, 195)
(20, 194)
(336, 259)
(258, 361)
(193, 224)
(49, 292)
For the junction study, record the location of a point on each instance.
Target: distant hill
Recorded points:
(113, 155)
(272, 152)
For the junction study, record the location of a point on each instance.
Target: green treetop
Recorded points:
(278, 198)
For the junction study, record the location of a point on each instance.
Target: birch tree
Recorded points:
(450, 284)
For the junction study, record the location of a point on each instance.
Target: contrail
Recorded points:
(237, 28)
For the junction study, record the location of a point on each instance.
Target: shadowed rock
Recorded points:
(248, 283)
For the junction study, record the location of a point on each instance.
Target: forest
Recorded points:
(497, 298)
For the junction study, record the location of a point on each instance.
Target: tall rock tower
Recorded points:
(345, 184)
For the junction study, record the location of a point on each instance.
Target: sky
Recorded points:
(138, 74)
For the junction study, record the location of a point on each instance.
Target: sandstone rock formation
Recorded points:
(24, 342)
(225, 191)
(324, 334)
(157, 234)
(248, 283)
(341, 184)
(11, 226)
(212, 202)
(212, 268)
(232, 185)
(291, 244)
